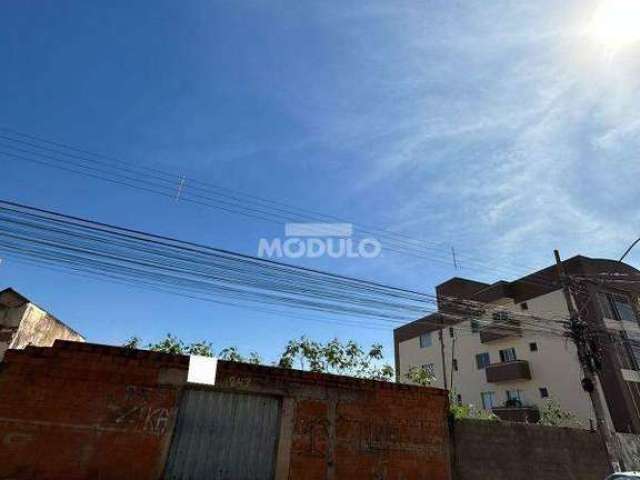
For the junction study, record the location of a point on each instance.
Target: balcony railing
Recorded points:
(522, 413)
(507, 371)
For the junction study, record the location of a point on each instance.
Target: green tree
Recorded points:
(132, 343)
(230, 354)
(169, 344)
(254, 358)
(461, 411)
(174, 345)
(553, 415)
(336, 357)
(420, 376)
(202, 348)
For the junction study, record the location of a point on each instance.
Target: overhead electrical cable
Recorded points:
(193, 269)
(156, 181)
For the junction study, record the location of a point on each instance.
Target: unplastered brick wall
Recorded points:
(344, 428)
(517, 451)
(83, 411)
(80, 411)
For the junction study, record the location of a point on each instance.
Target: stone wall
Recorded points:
(630, 449)
(517, 451)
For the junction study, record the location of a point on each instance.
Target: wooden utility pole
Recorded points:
(591, 381)
(453, 354)
(444, 363)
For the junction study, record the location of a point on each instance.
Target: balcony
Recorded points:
(517, 413)
(508, 371)
(499, 329)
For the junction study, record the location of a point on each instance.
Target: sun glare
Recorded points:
(616, 23)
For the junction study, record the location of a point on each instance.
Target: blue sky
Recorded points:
(500, 128)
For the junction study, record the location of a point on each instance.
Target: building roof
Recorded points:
(533, 285)
(11, 299)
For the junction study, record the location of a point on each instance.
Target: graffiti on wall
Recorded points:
(138, 410)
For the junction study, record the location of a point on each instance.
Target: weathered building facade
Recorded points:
(24, 323)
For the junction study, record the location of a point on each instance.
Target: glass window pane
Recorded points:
(624, 309)
(488, 400)
(605, 306)
(482, 360)
(508, 355)
(425, 340)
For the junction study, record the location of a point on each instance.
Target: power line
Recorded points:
(198, 271)
(628, 250)
(156, 181)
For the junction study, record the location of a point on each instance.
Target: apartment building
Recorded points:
(23, 323)
(500, 346)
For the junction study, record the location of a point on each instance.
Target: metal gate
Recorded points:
(224, 436)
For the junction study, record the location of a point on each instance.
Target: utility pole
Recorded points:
(453, 354)
(444, 364)
(591, 381)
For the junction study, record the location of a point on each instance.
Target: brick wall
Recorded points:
(83, 411)
(345, 428)
(515, 451)
(76, 412)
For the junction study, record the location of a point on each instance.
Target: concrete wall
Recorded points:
(83, 411)
(23, 323)
(10, 318)
(630, 448)
(516, 451)
(40, 329)
(563, 384)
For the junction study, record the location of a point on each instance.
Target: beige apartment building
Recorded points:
(23, 323)
(501, 347)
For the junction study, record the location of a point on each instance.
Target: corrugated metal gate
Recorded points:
(224, 436)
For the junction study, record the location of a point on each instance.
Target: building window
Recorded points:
(544, 392)
(475, 326)
(501, 317)
(451, 332)
(616, 306)
(455, 364)
(623, 308)
(488, 400)
(631, 341)
(508, 355)
(533, 346)
(425, 340)
(482, 360)
(605, 305)
(515, 398)
(524, 306)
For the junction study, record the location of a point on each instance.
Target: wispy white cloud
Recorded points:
(510, 137)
